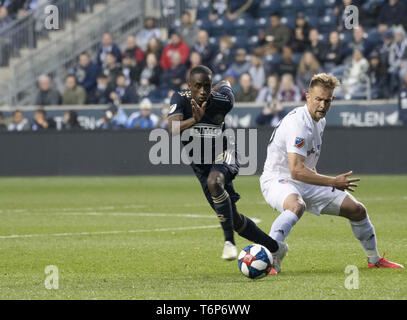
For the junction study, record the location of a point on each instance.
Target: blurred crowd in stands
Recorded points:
(268, 50)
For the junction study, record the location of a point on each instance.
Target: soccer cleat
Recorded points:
(278, 257)
(229, 251)
(383, 263)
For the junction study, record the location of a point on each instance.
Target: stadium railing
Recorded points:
(25, 31)
(347, 113)
(121, 18)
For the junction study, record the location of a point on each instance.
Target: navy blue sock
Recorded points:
(224, 211)
(253, 233)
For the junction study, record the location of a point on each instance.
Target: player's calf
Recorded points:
(362, 227)
(222, 204)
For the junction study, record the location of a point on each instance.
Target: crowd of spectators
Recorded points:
(275, 66)
(114, 118)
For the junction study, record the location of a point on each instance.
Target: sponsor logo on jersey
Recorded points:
(206, 130)
(172, 108)
(283, 181)
(299, 142)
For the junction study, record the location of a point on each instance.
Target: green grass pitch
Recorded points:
(157, 238)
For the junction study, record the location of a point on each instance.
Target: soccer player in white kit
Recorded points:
(291, 185)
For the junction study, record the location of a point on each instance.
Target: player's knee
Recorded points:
(298, 207)
(215, 183)
(359, 212)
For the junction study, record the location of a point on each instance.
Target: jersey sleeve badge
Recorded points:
(299, 142)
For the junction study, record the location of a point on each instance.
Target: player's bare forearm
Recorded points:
(310, 176)
(221, 84)
(299, 171)
(176, 124)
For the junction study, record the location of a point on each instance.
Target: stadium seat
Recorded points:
(175, 25)
(252, 43)
(241, 42)
(204, 24)
(327, 23)
(374, 37)
(267, 7)
(324, 37)
(288, 20)
(328, 6)
(312, 20)
(291, 7)
(273, 59)
(221, 27)
(243, 26)
(260, 24)
(297, 57)
(312, 7)
(203, 10)
(346, 36)
(329, 3)
(214, 40)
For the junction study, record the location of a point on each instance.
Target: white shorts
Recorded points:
(318, 199)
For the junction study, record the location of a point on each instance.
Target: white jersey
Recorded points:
(296, 133)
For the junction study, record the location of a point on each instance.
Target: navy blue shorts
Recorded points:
(230, 171)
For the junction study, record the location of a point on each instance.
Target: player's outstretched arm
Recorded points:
(299, 171)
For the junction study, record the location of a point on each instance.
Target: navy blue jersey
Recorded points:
(210, 129)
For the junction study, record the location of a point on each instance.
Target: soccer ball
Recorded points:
(255, 261)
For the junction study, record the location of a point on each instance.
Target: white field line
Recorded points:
(141, 214)
(68, 234)
(107, 208)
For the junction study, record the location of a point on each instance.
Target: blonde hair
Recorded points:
(314, 66)
(324, 80)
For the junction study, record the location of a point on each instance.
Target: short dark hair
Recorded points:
(42, 111)
(17, 111)
(201, 70)
(70, 75)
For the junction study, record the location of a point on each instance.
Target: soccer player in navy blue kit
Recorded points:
(201, 109)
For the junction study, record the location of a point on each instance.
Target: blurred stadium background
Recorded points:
(108, 72)
(82, 100)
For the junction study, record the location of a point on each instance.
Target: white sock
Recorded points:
(282, 225)
(365, 233)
